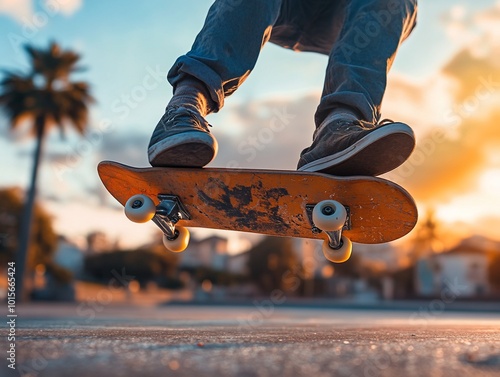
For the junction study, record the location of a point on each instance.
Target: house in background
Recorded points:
(69, 256)
(209, 252)
(463, 269)
(99, 242)
(237, 264)
(46, 286)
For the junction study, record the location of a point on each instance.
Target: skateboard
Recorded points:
(339, 210)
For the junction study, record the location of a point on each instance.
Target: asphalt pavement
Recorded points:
(95, 339)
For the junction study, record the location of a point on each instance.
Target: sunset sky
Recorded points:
(445, 84)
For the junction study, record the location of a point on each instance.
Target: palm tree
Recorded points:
(45, 97)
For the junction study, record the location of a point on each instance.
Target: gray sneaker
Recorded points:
(352, 147)
(182, 138)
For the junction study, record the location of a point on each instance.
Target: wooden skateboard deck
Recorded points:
(268, 201)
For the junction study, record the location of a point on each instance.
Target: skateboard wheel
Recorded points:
(140, 208)
(329, 215)
(339, 255)
(180, 242)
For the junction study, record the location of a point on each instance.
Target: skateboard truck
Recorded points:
(331, 217)
(335, 236)
(168, 213)
(141, 208)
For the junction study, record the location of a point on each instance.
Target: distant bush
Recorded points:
(494, 272)
(272, 264)
(43, 237)
(217, 277)
(144, 265)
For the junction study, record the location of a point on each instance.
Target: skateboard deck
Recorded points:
(269, 201)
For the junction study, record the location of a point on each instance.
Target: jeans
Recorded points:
(360, 37)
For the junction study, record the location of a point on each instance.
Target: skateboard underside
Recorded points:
(267, 201)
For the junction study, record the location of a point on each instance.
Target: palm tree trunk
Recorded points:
(26, 221)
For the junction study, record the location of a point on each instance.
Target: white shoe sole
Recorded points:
(188, 149)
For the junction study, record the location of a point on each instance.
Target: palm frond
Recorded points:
(53, 63)
(18, 97)
(67, 103)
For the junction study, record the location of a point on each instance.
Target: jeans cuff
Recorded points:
(186, 65)
(357, 101)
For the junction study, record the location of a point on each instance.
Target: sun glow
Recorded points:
(489, 182)
(483, 201)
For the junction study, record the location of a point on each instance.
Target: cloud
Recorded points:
(16, 9)
(442, 168)
(67, 7)
(476, 77)
(477, 31)
(127, 148)
(407, 100)
(265, 133)
(24, 10)
(461, 137)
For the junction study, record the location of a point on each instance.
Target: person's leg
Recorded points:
(221, 58)
(357, 69)
(348, 139)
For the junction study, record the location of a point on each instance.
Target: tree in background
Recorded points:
(494, 271)
(46, 97)
(44, 239)
(147, 264)
(273, 264)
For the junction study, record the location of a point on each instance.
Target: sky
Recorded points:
(445, 83)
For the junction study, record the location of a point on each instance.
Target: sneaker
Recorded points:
(352, 147)
(182, 138)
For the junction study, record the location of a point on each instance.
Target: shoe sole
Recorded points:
(188, 149)
(379, 152)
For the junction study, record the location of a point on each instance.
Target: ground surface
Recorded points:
(262, 340)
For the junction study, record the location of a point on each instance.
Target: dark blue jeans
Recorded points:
(361, 38)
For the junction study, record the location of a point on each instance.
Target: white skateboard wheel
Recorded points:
(340, 255)
(179, 243)
(329, 215)
(140, 208)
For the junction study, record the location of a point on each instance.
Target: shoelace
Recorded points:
(179, 112)
(343, 125)
(367, 125)
(385, 121)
